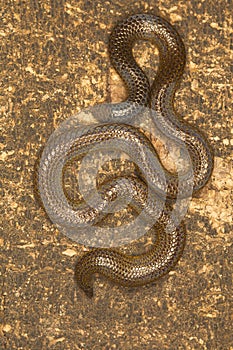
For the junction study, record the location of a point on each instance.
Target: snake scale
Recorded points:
(134, 270)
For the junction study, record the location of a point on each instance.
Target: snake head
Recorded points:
(88, 291)
(84, 276)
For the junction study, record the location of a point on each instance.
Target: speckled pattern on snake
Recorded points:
(134, 270)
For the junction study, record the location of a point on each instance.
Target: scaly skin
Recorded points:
(141, 269)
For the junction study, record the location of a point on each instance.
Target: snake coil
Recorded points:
(133, 270)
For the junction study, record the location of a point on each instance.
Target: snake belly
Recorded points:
(129, 270)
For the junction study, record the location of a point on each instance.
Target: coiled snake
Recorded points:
(133, 270)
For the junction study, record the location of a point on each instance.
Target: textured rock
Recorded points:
(54, 63)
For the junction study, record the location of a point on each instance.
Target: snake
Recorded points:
(139, 269)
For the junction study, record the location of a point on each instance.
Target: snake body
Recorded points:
(121, 268)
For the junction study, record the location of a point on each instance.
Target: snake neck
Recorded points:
(129, 270)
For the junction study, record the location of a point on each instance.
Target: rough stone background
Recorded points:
(54, 62)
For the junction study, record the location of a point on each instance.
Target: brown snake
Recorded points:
(132, 270)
